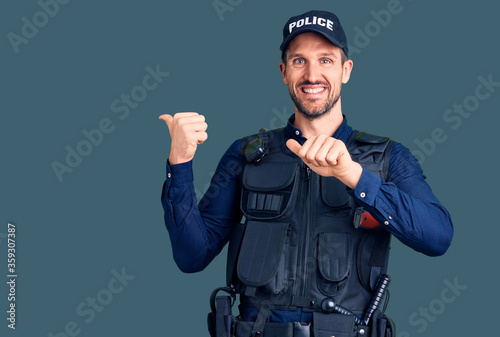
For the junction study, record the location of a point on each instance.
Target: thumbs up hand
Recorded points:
(328, 157)
(187, 130)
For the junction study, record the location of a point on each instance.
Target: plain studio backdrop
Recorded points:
(83, 151)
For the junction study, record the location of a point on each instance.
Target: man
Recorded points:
(311, 257)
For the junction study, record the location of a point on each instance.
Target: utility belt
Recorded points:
(342, 323)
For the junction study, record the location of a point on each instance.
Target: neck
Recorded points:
(326, 125)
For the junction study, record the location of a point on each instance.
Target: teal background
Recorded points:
(107, 214)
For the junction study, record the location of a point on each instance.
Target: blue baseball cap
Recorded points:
(321, 22)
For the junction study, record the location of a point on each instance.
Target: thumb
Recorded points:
(167, 118)
(293, 146)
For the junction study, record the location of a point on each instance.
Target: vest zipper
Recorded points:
(306, 239)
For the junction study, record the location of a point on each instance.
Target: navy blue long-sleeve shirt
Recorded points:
(404, 203)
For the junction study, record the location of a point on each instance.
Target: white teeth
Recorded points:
(313, 91)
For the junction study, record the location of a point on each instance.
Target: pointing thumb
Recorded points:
(293, 146)
(167, 118)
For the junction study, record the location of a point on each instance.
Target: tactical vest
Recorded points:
(300, 244)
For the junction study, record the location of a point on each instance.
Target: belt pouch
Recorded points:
(328, 325)
(386, 327)
(301, 330)
(382, 326)
(220, 318)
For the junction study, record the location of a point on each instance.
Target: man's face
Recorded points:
(314, 74)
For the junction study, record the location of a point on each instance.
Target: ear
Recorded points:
(346, 71)
(283, 72)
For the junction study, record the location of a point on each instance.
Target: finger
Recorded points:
(201, 137)
(164, 116)
(187, 122)
(200, 127)
(305, 148)
(321, 155)
(312, 153)
(185, 114)
(191, 119)
(334, 154)
(195, 127)
(293, 146)
(178, 116)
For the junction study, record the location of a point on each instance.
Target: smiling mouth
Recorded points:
(313, 90)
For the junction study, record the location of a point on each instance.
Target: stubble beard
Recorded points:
(312, 114)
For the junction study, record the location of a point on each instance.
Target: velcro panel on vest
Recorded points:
(261, 252)
(264, 202)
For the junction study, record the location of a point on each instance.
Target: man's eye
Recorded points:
(298, 61)
(326, 61)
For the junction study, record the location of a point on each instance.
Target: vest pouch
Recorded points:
(269, 190)
(335, 196)
(334, 261)
(263, 256)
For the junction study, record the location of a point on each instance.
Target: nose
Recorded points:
(312, 72)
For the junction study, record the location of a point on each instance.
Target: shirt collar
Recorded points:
(342, 133)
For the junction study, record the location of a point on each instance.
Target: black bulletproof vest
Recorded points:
(299, 244)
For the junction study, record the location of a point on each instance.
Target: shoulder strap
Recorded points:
(371, 151)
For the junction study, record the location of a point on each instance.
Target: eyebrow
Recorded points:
(329, 54)
(294, 55)
(321, 54)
